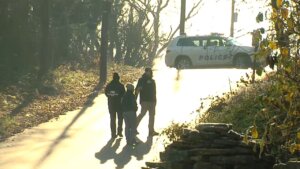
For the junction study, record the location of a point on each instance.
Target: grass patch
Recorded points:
(5, 126)
(266, 111)
(239, 107)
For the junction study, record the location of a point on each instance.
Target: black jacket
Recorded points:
(114, 92)
(147, 88)
(129, 102)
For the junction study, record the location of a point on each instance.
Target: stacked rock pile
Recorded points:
(289, 165)
(210, 146)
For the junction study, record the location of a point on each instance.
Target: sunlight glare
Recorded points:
(214, 17)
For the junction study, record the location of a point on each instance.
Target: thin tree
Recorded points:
(44, 55)
(158, 41)
(104, 42)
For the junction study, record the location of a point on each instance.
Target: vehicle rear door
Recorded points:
(218, 53)
(190, 46)
(202, 58)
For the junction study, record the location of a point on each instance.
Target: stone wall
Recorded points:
(288, 165)
(210, 146)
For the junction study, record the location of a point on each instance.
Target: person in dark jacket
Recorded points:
(146, 88)
(129, 107)
(114, 92)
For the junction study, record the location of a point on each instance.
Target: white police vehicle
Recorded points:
(208, 50)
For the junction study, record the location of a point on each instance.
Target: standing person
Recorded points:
(114, 92)
(146, 88)
(129, 107)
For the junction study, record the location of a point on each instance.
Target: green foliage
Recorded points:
(174, 131)
(238, 107)
(271, 107)
(282, 104)
(5, 128)
(75, 33)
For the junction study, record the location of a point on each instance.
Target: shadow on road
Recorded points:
(138, 151)
(124, 157)
(108, 151)
(27, 100)
(63, 135)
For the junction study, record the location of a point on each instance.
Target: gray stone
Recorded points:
(245, 167)
(256, 165)
(233, 160)
(214, 127)
(227, 142)
(209, 135)
(185, 145)
(216, 151)
(186, 132)
(211, 146)
(156, 164)
(200, 158)
(203, 165)
(293, 165)
(171, 165)
(280, 166)
(180, 165)
(202, 137)
(174, 155)
(234, 135)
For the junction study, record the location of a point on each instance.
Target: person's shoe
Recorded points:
(135, 142)
(120, 135)
(130, 144)
(153, 133)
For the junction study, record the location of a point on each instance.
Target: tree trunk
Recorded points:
(115, 32)
(182, 17)
(4, 45)
(104, 42)
(156, 22)
(232, 19)
(44, 55)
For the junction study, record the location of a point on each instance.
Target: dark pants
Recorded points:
(113, 113)
(130, 126)
(150, 107)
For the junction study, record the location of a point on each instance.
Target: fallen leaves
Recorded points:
(73, 89)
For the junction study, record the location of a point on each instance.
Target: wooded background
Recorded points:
(40, 35)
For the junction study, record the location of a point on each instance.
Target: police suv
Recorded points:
(208, 50)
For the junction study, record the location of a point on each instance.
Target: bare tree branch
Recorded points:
(190, 14)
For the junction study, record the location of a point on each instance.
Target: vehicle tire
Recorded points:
(183, 63)
(242, 62)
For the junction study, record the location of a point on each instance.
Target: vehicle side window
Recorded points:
(196, 42)
(222, 42)
(204, 42)
(215, 42)
(186, 42)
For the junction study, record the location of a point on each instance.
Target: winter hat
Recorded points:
(148, 69)
(130, 87)
(116, 76)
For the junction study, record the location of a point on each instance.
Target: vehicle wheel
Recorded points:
(183, 63)
(242, 62)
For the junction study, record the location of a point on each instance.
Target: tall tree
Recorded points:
(153, 41)
(44, 55)
(104, 41)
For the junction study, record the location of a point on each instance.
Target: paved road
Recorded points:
(81, 139)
